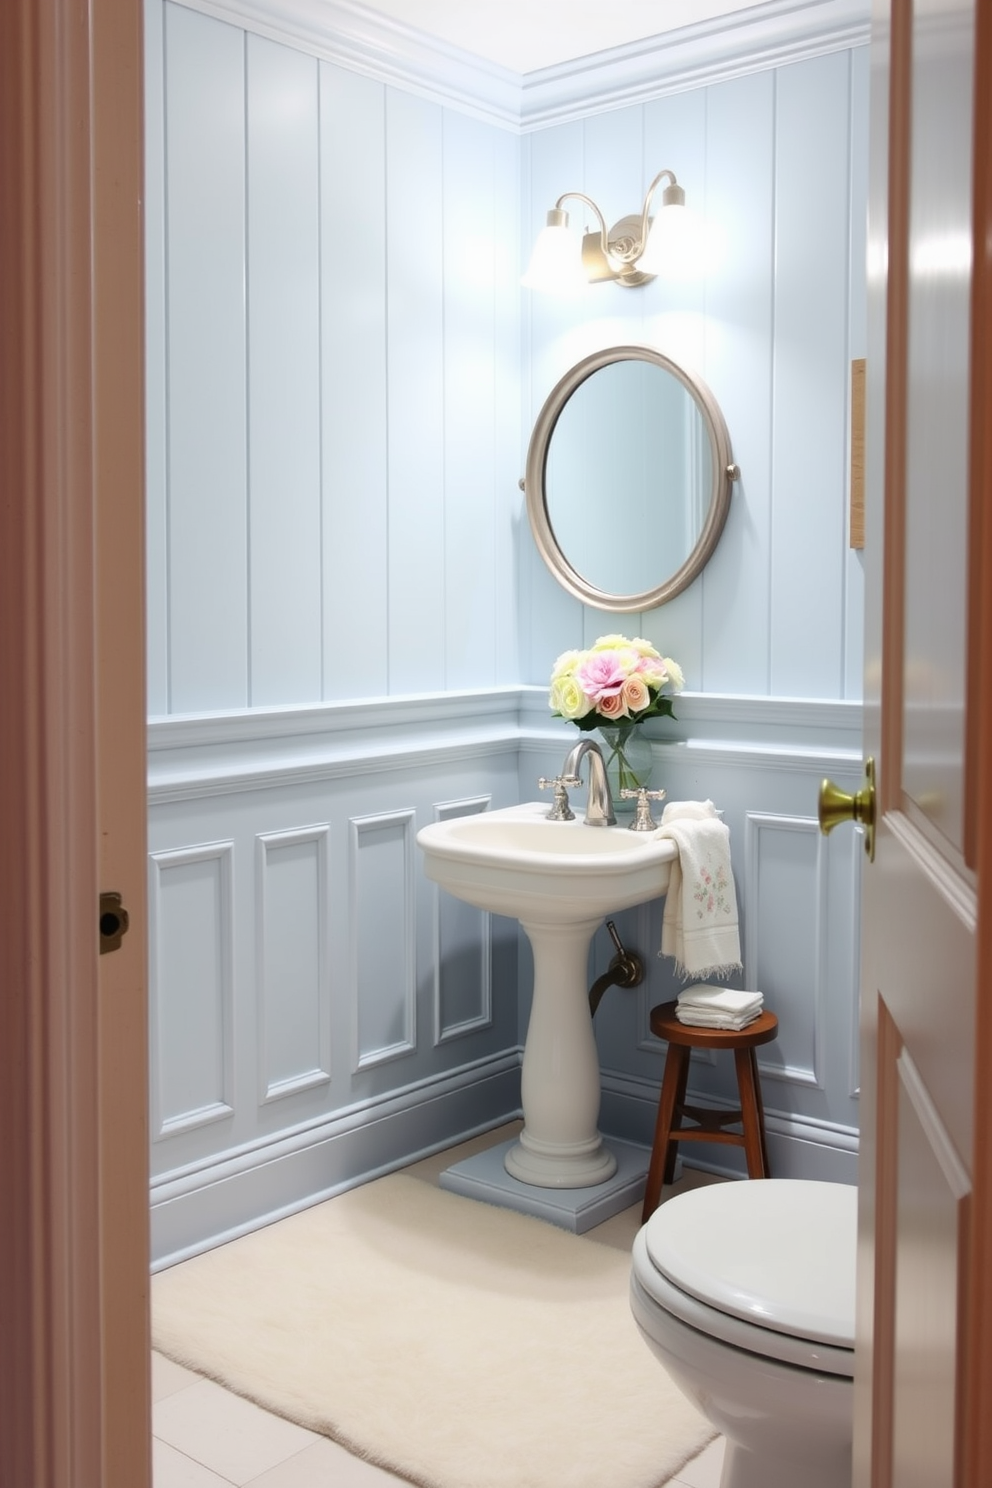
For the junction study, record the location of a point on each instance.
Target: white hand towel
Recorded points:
(700, 928)
(725, 1000)
(729, 1021)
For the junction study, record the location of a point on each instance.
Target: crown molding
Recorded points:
(769, 34)
(351, 35)
(763, 36)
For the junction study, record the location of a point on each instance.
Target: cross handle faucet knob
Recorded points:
(560, 809)
(643, 820)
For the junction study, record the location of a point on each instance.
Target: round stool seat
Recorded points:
(709, 1124)
(665, 1025)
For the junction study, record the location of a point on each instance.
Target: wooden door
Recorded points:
(923, 1341)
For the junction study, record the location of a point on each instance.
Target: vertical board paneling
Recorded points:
(551, 621)
(740, 204)
(469, 398)
(292, 976)
(156, 342)
(675, 139)
(353, 205)
(785, 889)
(284, 374)
(385, 429)
(463, 951)
(614, 171)
(780, 156)
(383, 951)
(615, 176)
(809, 518)
(414, 553)
(507, 354)
(207, 430)
(191, 925)
(854, 579)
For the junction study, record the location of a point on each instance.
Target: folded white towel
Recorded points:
(726, 1000)
(699, 928)
(728, 1021)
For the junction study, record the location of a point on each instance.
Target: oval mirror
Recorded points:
(629, 475)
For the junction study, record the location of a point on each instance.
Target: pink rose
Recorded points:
(635, 694)
(612, 706)
(601, 675)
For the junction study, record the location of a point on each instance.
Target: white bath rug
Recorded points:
(459, 1345)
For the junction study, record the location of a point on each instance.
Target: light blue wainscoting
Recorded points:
(760, 761)
(321, 1012)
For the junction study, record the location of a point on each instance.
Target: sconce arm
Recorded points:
(673, 196)
(580, 196)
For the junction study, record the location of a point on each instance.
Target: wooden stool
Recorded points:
(682, 1038)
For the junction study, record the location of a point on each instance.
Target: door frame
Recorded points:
(73, 1044)
(75, 1191)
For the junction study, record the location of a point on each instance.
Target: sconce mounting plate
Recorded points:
(622, 237)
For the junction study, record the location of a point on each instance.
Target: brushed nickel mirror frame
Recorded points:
(724, 473)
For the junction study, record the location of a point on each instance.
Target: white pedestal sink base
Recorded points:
(560, 1146)
(557, 1167)
(484, 1177)
(559, 879)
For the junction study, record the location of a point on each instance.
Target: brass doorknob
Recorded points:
(835, 805)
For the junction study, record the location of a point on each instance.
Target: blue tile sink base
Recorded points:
(484, 1177)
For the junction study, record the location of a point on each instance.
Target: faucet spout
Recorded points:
(599, 802)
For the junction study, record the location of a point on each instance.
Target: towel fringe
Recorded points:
(711, 971)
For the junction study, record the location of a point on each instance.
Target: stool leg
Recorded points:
(685, 1055)
(676, 1071)
(752, 1113)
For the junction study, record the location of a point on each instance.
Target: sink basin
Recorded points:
(517, 862)
(559, 879)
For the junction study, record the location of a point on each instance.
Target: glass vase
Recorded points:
(629, 761)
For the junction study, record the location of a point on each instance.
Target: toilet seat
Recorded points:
(767, 1266)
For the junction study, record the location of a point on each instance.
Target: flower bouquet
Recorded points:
(614, 687)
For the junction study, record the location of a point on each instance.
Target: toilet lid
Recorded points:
(776, 1252)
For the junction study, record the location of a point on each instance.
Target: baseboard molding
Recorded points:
(798, 1147)
(215, 1202)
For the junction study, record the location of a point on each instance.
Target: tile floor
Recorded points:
(205, 1437)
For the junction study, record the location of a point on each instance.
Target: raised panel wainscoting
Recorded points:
(323, 1013)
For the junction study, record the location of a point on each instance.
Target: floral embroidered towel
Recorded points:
(700, 928)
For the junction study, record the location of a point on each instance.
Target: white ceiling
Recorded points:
(525, 35)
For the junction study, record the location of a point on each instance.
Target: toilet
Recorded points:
(745, 1292)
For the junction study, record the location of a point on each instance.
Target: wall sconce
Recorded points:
(633, 251)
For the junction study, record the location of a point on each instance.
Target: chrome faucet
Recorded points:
(599, 802)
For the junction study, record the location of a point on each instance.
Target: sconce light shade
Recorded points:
(674, 244)
(556, 263)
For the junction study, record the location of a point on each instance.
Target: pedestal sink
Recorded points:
(560, 880)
